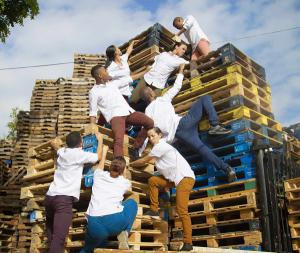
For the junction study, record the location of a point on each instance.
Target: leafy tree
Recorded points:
(14, 12)
(12, 124)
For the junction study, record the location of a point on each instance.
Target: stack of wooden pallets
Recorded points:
(292, 194)
(146, 234)
(83, 64)
(73, 99)
(242, 99)
(43, 111)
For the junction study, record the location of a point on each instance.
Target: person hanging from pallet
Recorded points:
(185, 129)
(118, 69)
(196, 37)
(175, 172)
(65, 188)
(106, 97)
(107, 215)
(164, 64)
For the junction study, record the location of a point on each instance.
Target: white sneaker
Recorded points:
(123, 240)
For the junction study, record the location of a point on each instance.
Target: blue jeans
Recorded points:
(187, 130)
(99, 228)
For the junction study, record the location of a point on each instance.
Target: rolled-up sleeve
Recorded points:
(93, 104)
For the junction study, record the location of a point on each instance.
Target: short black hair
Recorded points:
(118, 165)
(176, 20)
(73, 139)
(95, 69)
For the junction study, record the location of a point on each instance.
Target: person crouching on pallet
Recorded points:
(65, 188)
(106, 97)
(195, 36)
(176, 172)
(106, 214)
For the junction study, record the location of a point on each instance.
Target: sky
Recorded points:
(65, 27)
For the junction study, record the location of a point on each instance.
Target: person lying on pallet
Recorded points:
(164, 64)
(176, 172)
(107, 215)
(118, 68)
(185, 129)
(106, 97)
(65, 188)
(195, 36)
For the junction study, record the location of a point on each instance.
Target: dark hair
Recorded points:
(73, 139)
(95, 69)
(177, 44)
(118, 165)
(110, 54)
(156, 130)
(176, 20)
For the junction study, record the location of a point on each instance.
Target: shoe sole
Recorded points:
(223, 133)
(123, 241)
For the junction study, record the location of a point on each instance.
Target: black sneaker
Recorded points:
(230, 174)
(218, 130)
(134, 154)
(152, 214)
(186, 247)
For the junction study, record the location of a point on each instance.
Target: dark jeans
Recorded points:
(58, 220)
(187, 130)
(99, 228)
(118, 128)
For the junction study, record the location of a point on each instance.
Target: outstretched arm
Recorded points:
(103, 158)
(142, 161)
(181, 31)
(171, 93)
(100, 143)
(56, 143)
(130, 47)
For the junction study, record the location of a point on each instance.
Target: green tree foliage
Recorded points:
(14, 12)
(12, 124)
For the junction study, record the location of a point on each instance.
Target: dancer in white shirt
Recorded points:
(105, 97)
(176, 172)
(163, 66)
(65, 188)
(107, 214)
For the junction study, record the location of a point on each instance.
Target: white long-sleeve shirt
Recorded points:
(108, 99)
(163, 113)
(164, 64)
(117, 72)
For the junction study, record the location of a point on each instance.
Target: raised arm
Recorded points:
(172, 92)
(181, 32)
(100, 145)
(130, 47)
(103, 158)
(56, 143)
(93, 107)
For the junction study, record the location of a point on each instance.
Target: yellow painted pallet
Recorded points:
(229, 79)
(244, 112)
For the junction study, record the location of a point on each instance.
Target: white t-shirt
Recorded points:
(170, 163)
(164, 64)
(68, 174)
(193, 32)
(107, 194)
(119, 71)
(162, 111)
(108, 99)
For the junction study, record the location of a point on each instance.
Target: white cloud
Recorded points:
(66, 27)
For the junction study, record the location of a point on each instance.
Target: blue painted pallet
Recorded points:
(89, 144)
(214, 178)
(236, 148)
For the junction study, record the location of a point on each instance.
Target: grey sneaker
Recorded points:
(152, 214)
(230, 174)
(218, 130)
(123, 240)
